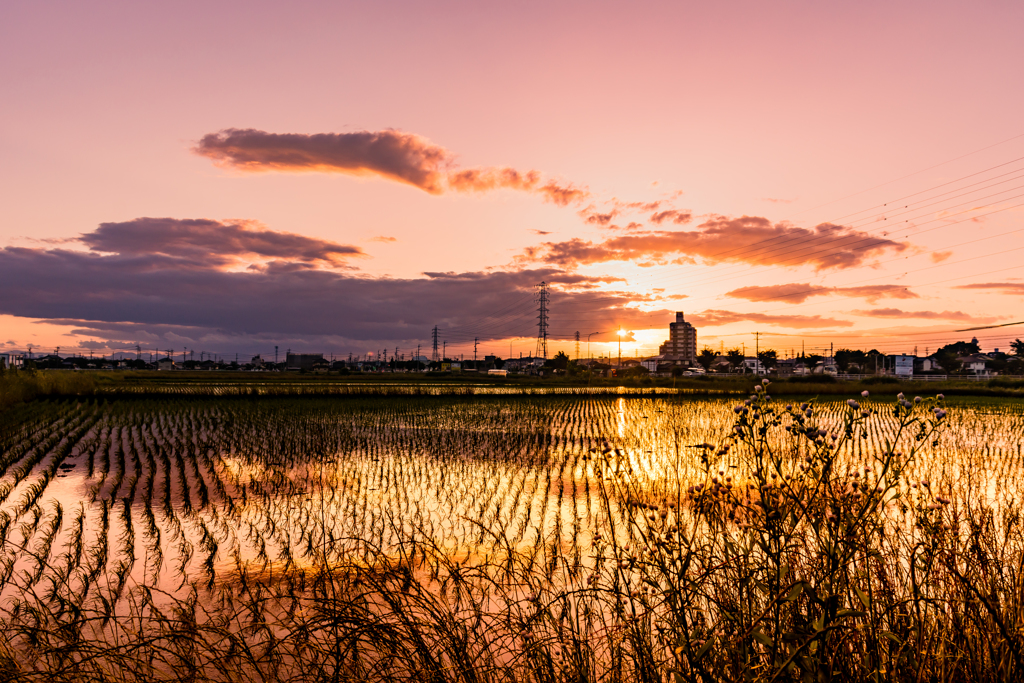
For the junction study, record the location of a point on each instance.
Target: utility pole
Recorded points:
(577, 345)
(757, 351)
(275, 354)
(434, 356)
(444, 349)
(542, 320)
(476, 340)
(620, 347)
(138, 352)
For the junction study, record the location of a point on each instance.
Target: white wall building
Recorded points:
(903, 365)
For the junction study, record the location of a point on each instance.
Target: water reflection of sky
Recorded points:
(525, 470)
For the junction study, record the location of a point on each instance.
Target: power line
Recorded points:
(747, 248)
(852, 242)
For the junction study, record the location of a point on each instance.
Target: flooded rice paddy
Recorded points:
(180, 494)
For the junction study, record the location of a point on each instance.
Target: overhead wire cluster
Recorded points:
(880, 226)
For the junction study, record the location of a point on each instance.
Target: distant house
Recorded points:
(825, 367)
(302, 361)
(721, 364)
(257, 362)
(976, 363)
(751, 364)
(165, 364)
(524, 364)
(785, 366)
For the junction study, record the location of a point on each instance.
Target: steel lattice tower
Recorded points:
(435, 358)
(542, 321)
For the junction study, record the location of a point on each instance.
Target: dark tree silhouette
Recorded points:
(559, 362)
(769, 358)
(706, 358)
(948, 361)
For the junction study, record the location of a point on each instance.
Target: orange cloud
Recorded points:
(673, 215)
(1001, 287)
(749, 239)
(798, 292)
(926, 315)
(714, 318)
(391, 154)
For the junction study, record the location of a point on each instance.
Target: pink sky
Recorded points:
(397, 166)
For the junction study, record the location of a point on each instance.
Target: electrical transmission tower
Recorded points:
(577, 344)
(434, 357)
(542, 320)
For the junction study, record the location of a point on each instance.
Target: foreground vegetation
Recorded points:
(511, 538)
(23, 386)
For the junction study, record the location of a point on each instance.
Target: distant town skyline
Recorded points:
(344, 178)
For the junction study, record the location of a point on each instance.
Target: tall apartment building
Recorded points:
(682, 342)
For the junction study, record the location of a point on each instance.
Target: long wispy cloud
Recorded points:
(798, 292)
(1000, 287)
(923, 315)
(750, 239)
(715, 318)
(395, 155)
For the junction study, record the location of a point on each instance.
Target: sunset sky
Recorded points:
(342, 177)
